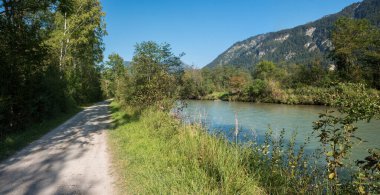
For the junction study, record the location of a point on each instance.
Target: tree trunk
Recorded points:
(63, 44)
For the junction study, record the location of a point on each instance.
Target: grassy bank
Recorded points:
(156, 154)
(18, 140)
(306, 95)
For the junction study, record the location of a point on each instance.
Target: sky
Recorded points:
(203, 29)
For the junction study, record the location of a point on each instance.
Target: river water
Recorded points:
(255, 118)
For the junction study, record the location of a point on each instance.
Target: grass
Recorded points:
(156, 154)
(216, 96)
(301, 95)
(18, 140)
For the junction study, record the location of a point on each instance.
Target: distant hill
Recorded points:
(127, 63)
(300, 44)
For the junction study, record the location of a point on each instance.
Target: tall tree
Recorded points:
(356, 50)
(37, 80)
(114, 77)
(156, 74)
(24, 93)
(78, 46)
(264, 70)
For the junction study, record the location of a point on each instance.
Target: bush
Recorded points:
(256, 89)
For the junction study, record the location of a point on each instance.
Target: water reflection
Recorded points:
(255, 118)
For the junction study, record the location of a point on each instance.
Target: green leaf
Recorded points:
(331, 176)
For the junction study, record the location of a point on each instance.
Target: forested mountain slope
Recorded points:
(300, 44)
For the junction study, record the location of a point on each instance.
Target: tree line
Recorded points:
(49, 56)
(156, 74)
(355, 57)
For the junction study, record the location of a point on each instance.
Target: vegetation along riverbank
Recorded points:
(310, 82)
(158, 153)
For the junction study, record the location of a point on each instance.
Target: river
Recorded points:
(255, 118)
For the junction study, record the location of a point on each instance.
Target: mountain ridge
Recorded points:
(300, 44)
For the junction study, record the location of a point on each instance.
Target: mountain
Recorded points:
(300, 44)
(127, 63)
(183, 64)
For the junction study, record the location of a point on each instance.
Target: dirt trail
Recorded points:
(71, 159)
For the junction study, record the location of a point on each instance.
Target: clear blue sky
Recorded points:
(204, 28)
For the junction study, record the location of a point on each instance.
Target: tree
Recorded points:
(239, 81)
(312, 74)
(155, 75)
(256, 89)
(113, 77)
(356, 50)
(49, 55)
(264, 70)
(192, 84)
(371, 59)
(25, 95)
(77, 46)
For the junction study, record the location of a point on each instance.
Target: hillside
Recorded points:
(300, 44)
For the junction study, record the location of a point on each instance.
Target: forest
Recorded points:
(50, 52)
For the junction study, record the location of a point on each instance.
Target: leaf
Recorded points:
(331, 175)
(361, 190)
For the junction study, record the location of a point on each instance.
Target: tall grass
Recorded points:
(158, 155)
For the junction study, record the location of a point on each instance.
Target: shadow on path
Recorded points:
(71, 159)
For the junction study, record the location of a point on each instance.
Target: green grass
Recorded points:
(18, 140)
(156, 154)
(216, 96)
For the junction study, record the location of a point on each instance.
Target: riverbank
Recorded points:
(156, 153)
(306, 95)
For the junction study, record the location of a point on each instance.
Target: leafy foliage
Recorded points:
(114, 77)
(356, 50)
(153, 77)
(49, 55)
(368, 178)
(336, 132)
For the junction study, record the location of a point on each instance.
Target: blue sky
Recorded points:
(203, 29)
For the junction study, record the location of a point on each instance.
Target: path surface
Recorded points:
(71, 159)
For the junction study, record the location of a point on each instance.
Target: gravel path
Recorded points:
(71, 159)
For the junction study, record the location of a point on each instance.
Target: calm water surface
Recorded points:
(255, 118)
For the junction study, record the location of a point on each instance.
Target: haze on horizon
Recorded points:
(203, 30)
